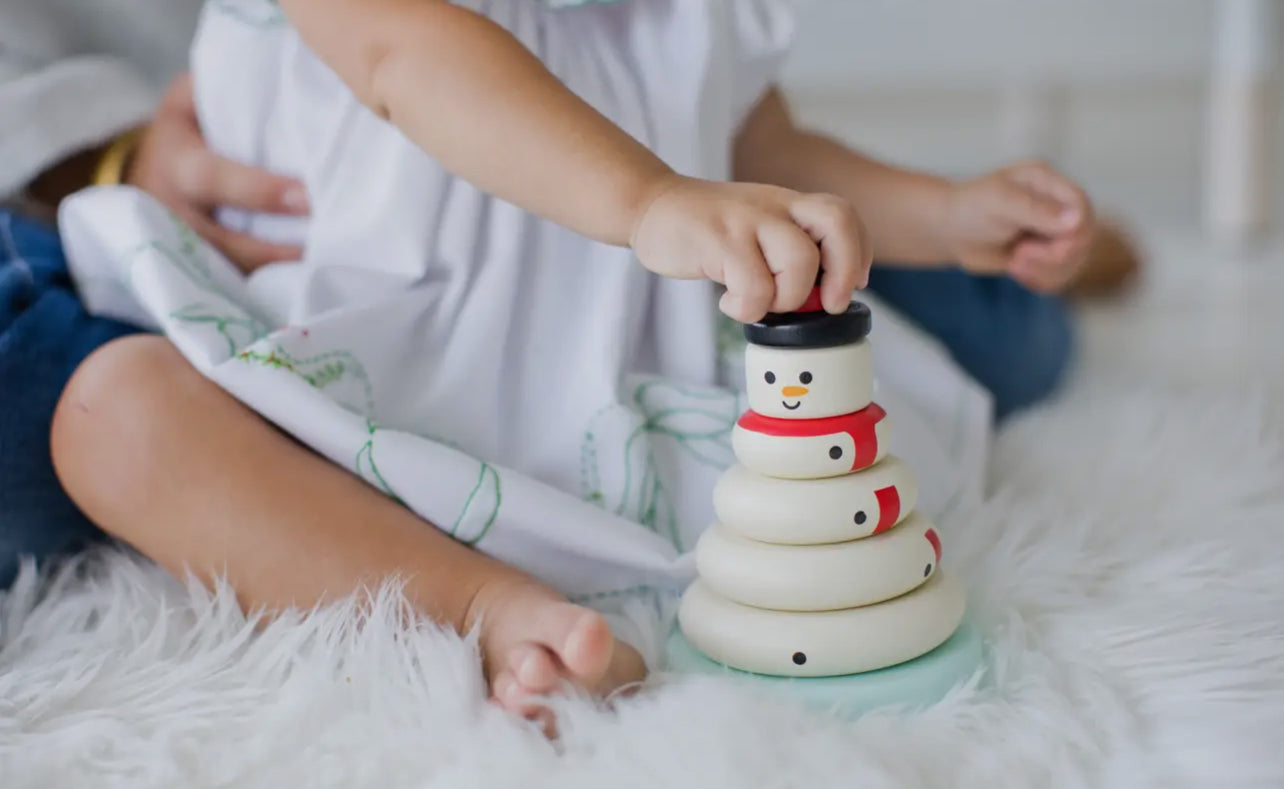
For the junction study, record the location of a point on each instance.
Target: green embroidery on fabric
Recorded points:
(319, 371)
(185, 255)
(256, 13)
(326, 370)
(481, 507)
(698, 421)
(190, 266)
(487, 496)
(245, 335)
(237, 331)
(365, 462)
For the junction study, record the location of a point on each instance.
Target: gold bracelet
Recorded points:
(111, 166)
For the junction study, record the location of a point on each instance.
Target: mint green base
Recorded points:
(914, 685)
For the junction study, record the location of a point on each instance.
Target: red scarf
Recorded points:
(858, 424)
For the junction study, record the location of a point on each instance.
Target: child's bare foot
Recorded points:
(1113, 265)
(534, 642)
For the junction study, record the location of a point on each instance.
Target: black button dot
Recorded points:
(927, 570)
(770, 377)
(799, 658)
(835, 452)
(861, 517)
(805, 378)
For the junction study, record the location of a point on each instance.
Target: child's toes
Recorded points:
(581, 640)
(507, 692)
(535, 669)
(588, 651)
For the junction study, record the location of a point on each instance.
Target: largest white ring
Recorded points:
(824, 644)
(818, 577)
(815, 511)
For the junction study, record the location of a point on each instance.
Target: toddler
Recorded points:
(526, 216)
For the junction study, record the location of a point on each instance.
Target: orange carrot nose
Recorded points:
(794, 391)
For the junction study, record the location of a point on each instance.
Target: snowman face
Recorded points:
(809, 383)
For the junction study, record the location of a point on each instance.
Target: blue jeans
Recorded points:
(1014, 342)
(44, 334)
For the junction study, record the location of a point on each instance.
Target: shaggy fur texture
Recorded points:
(1126, 566)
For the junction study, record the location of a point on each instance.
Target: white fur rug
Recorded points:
(1128, 567)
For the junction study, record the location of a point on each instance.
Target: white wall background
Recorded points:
(951, 43)
(941, 83)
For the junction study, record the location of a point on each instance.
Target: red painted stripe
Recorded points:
(889, 508)
(853, 423)
(933, 538)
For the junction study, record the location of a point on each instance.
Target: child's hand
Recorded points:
(1027, 221)
(764, 243)
(176, 166)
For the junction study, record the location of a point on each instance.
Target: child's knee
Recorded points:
(114, 408)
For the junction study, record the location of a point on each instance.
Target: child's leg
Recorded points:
(44, 333)
(1015, 342)
(169, 462)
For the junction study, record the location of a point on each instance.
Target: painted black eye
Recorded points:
(927, 570)
(805, 378)
(799, 658)
(835, 452)
(861, 517)
(770, 377)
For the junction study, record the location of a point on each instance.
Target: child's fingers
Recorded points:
(1043, 179)
(1028, 210)
(245, 252)
(207, 179)
(750, 286)
(1038, 279)
(1044, 266)
(1032, 267)
(845, 252)
(793, 258)
(1058, 253)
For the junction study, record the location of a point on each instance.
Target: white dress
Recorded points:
(527, 390)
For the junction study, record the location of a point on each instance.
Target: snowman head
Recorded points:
(809, 366)
(811, 383)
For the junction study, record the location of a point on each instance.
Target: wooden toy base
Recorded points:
(917, 684)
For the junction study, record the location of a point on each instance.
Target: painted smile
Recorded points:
(793, 407)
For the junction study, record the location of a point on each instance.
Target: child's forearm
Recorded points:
(474, 98)
(900, 208)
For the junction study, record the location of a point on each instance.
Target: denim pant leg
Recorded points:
(44, 334)
(1013, 341)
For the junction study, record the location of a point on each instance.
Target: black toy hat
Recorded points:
(811, 326)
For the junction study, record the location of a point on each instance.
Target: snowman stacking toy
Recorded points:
(819, 567)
